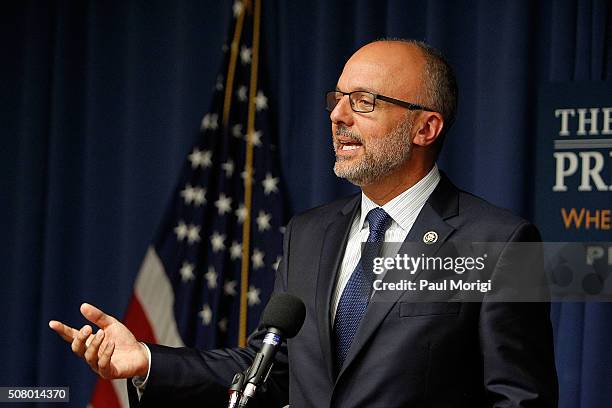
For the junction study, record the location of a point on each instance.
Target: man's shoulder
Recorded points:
(323, 213)
(471, 204)
(476, 213)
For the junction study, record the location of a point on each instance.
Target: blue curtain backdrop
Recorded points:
(101, 102)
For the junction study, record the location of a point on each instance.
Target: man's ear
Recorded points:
(428, 127)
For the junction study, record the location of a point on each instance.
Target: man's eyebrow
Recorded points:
(360, 89)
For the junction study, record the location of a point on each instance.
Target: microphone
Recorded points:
(283, 318)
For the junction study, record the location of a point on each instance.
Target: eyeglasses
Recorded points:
(364, 102)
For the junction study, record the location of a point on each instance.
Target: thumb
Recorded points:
(96, 316)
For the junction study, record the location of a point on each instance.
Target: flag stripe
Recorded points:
(120, 388)
(105, 396)
(155, 293)
(138, 323)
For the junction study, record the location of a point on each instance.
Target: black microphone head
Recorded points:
(286, 313)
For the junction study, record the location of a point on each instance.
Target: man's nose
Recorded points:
(342, 113)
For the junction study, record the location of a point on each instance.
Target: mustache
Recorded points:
(344, 131)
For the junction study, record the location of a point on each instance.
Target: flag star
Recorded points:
(235, 250)
(255, 138)
(187, 194)
(223, 204)
(237, 8)
(211, 277)
(187, 271)
(217, 241)
(193, 235)
(270, 184)
(206, 158)
(193, 194)
(241, 213)
(257, 258)
(181, 231)
(219, 83)
(263, 221)
(237, 131)
(245, 55)
(230, 288)
(242, 93)
(210, 121)
(222, 325)
(253, 296)
(199, 196)
(200, 158)
(277, 262)
(206, 315)
(261, 101)
(228, 167)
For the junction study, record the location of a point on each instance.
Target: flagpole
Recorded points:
(248, 182)
(229, 82)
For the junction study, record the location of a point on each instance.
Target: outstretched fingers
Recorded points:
(97, 349)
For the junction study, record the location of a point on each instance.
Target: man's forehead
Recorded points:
(363, 75)
(382, 66)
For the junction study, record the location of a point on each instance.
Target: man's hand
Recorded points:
(113, 352)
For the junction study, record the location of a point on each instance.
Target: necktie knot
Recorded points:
(378, 220)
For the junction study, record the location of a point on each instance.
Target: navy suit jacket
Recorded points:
(405, 354)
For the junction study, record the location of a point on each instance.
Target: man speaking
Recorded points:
(392, 106)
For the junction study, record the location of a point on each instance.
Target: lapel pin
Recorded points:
(430, 237)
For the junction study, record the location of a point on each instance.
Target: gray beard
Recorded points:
(383, 155)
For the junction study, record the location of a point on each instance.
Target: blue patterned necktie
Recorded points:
(356, 294)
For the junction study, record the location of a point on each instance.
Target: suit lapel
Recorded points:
(332, 252)
(442, 204)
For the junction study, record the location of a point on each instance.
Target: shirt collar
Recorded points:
(401, 209)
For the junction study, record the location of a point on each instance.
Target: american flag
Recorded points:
(209, 272)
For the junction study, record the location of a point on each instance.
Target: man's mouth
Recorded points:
(347, 146)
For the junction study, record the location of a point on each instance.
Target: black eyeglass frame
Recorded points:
(407, 105)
